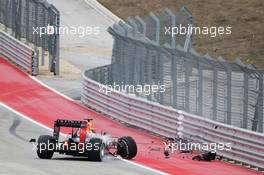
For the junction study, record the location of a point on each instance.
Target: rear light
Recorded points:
(80, 146)
(65, 143)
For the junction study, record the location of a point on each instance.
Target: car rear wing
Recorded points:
(67, 123)
(70, 123)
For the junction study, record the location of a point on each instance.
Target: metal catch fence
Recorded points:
(144, 53)
(31, 21)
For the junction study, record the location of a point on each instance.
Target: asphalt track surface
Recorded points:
(17, 155)
(88, 51)
(23, 94)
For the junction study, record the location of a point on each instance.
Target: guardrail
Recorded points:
(247, 146)
(19, 53)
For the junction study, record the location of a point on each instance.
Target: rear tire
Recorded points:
(97, 152)
(127, 147)
(46, 146)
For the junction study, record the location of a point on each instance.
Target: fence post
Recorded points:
(121, 73)
(173, 24)
(13, 18)
(35, 63)
(161, 78)
(149, 72)
(188, 39)
(128, 56)
(6, 15)
(260, 104)
(132, 23)
(57, 38)
(188, 70)
(18, 20)
(156, 19)
(174, 81)
(143, 65)
(56, 46)
(27, 22)
(36, 23)
(245, 107)
(143, 25)
(43, 50)
(229, 94)
(200, 88)
(215, 87)
(228, 69)
(139, 68)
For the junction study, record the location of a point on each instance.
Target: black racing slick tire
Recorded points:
(127, 147)
(97, 151)
(46, 146)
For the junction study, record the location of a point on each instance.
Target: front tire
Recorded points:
(127, 147)
(46, 146)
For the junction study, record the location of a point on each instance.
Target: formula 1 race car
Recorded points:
(84, 141)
